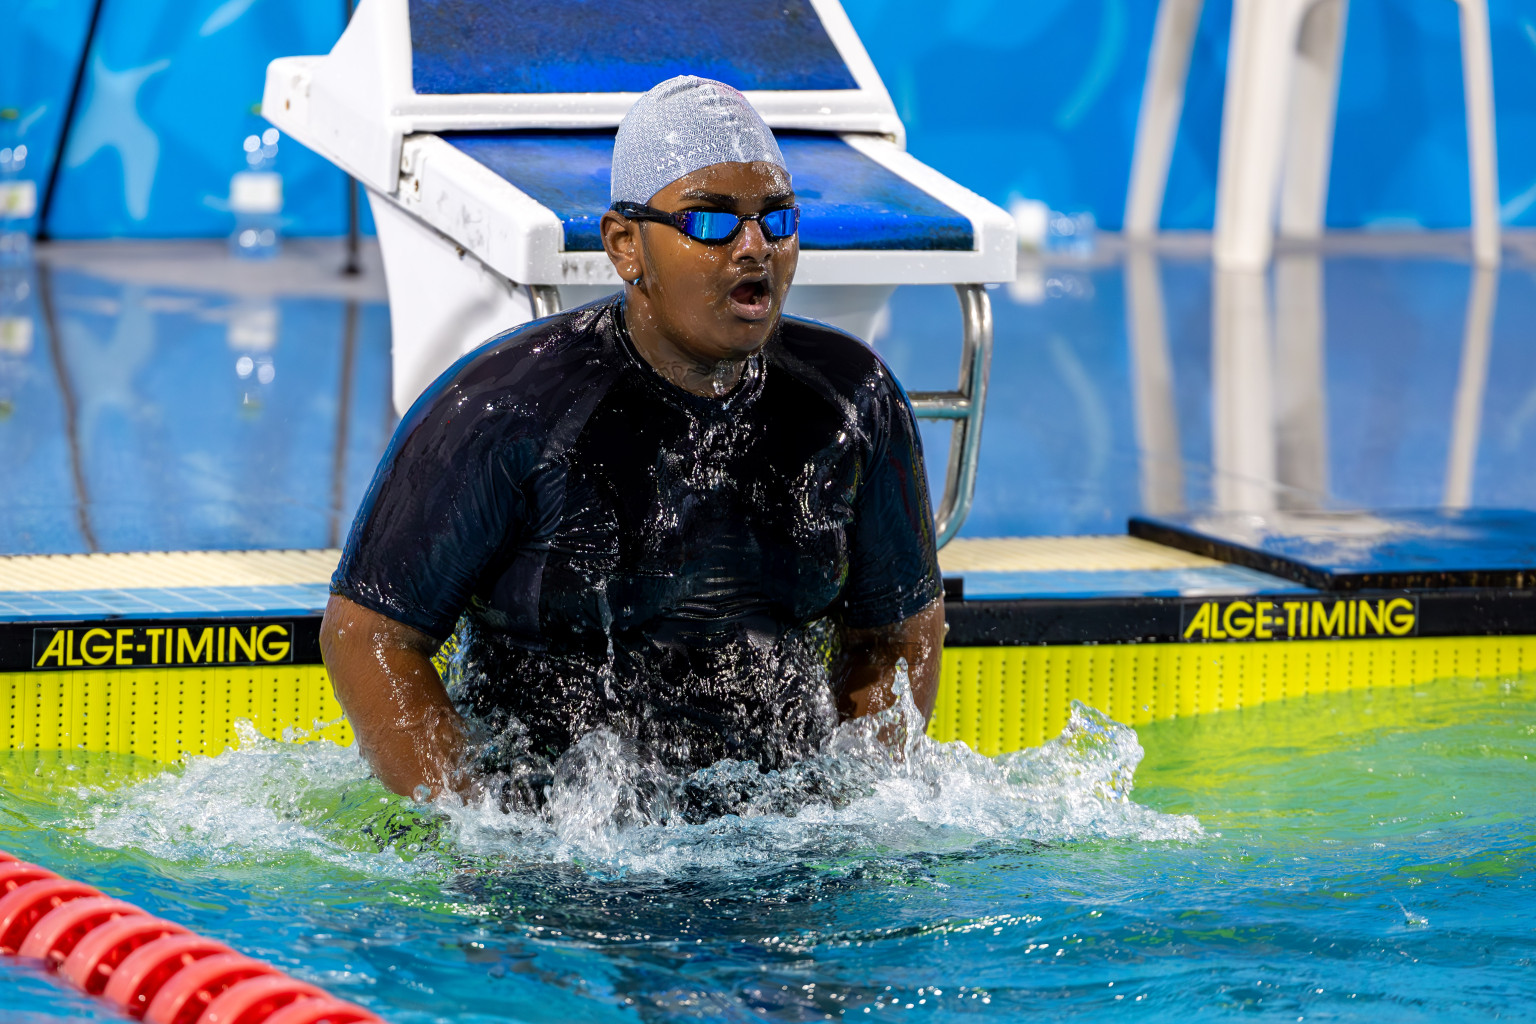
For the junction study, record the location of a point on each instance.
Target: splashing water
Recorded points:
(265, 801)
(878, 786)
(1366, 854)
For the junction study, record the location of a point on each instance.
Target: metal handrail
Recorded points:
(966, 405)
(544, 300)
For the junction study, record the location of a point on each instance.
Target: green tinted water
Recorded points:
(1356, 857)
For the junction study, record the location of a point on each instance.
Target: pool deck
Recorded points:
(220, 583)
(261, 584)
(164, 584)
(999, 592)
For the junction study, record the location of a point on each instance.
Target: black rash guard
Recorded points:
(618, 552)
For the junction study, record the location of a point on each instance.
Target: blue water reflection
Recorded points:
(153, 416)
(1387, 401)
(212, 409)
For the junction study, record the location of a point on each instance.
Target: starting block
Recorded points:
(483, 135)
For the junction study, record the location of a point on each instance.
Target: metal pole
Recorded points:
(352, 267)
(71, 408)
(69, 121)
(343, 421)
(966, 406)
(545, 300)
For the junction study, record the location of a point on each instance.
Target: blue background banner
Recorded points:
(1036, 100)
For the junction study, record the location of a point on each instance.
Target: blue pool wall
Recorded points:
(1031, 99)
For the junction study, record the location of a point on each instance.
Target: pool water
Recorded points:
(1365, 856)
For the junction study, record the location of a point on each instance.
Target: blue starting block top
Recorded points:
(1364, 550)
(598, 46)
(847, 200)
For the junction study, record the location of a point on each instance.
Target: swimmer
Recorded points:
(676, 513)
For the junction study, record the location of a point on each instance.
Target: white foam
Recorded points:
(878, 789)
(262, 802)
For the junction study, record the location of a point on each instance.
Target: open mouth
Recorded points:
(750, 300)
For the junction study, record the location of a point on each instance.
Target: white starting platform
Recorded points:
(483, 134)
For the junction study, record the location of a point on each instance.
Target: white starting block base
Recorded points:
(467, 303)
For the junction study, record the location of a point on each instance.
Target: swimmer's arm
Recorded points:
(868, 665)
(383, 676)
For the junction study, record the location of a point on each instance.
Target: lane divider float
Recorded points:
(150, 969)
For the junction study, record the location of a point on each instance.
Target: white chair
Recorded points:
(1277, 123)
(485, 157)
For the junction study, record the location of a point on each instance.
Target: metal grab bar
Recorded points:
(966, 405)
(544, 299)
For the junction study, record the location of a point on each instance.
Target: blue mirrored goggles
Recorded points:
(716, 227)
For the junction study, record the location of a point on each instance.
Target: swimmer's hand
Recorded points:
(406, 727)
(867, 668)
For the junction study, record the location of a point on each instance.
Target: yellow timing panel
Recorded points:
(163, 689)
(999, 699)
(996, 699)
(166, 713)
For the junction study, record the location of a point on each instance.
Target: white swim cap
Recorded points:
(681, 125)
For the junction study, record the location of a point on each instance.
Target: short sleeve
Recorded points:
(893, 566)
(445, 502)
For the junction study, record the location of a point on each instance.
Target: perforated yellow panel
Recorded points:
(164, 713)
(999, 699)
(996, 699)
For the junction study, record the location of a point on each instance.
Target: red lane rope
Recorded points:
(148, 968)
(55, 936)
(97, 955)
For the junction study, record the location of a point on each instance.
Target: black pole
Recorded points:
(71, 407)
(352, 267)
(343, 421)
(69, 120)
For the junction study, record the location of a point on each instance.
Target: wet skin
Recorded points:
(698, 313)
(700, 310)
